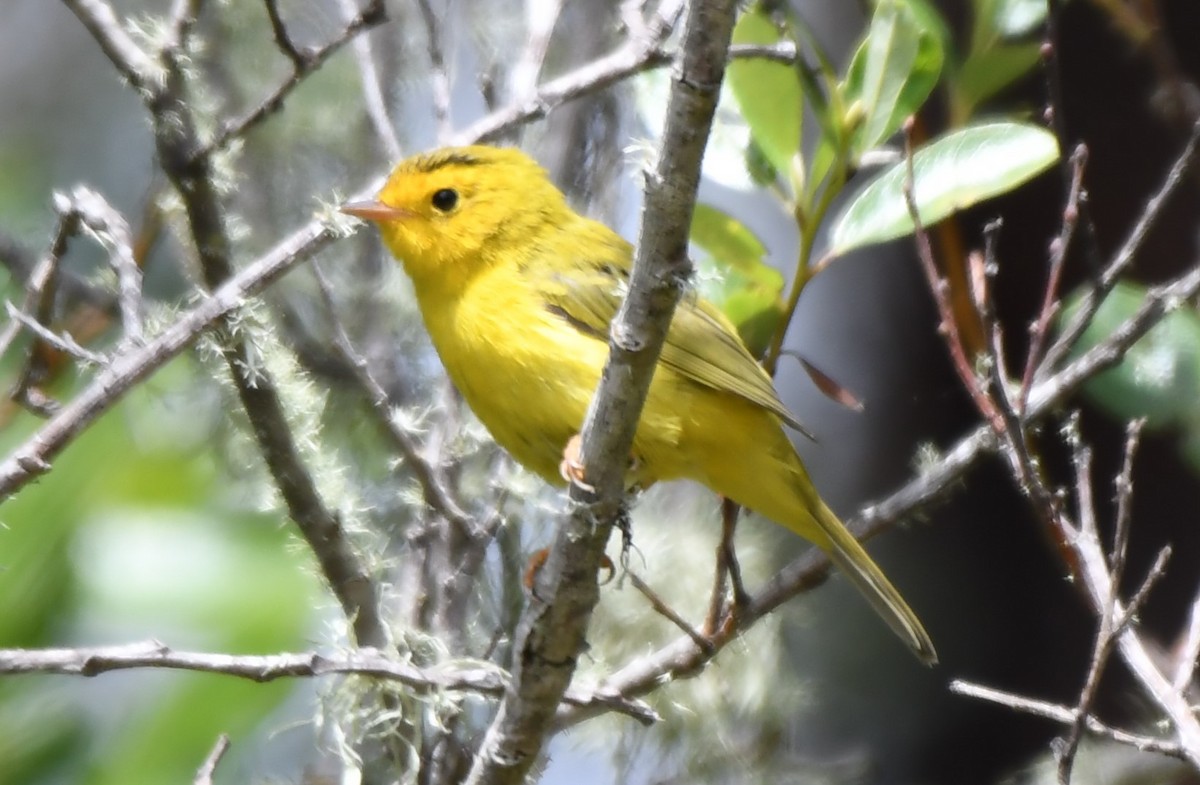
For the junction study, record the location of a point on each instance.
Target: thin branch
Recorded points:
(204, 776)
(475, 677)
(553, 628)
(138, 68)
(112, 231)
(439, 75)
(940, 288)
(373, 14)
(637, 54)
(1110, 626)
(437, 495)
(1189, 649)
(540, 20)
(666, 611)
(1137, 657)
(1059, 713)
(1124, 257)
(782, 52)
(39, 286)
(1059, 249)
(372, 86)
(64, 343)
(283, 40)
(183, 17)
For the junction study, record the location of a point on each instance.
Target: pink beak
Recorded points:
(374, 211)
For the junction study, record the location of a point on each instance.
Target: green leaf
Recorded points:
(726, 238)
(953, 172)
(987, 72)
(998, 21)
(768, 93)
(1159, 378)
(1013, 18)
(735, 277)
(892, 73)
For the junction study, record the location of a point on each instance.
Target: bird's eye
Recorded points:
(445, 199)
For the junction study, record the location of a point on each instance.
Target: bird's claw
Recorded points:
(571, 468)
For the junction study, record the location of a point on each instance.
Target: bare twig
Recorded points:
(176, 138)
(439, 74)
(372, 14)
(1110, 626)
(373, 95)
(437, 495)
(476, 677)
(666, 611)
(39, 287)
(1124, 257)
(204, 776)
(64, 343)
(540, 20)
(1136, 655)
(183, 17)
(634, 56)
(940, 288)
(300, 59)
(1189, 649)
(553, 627)
(1059, 713)
(1059, 249)
(112, 231)
(137, 67)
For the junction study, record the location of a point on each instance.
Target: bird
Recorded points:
(517, 291)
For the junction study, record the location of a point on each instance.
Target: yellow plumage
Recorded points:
(517, 292)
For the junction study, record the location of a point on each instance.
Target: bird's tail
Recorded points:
(858, 566)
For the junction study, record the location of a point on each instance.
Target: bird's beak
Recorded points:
(374, 211)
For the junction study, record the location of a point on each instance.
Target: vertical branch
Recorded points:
(1059, 249)
(373, 96)
(552, 630)
(39, 286)
(439, 76)
(940, 288)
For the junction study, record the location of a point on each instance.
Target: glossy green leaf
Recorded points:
(951, 173)
(734, 276)
(768, 93)
(1159, 378)
(892, 73)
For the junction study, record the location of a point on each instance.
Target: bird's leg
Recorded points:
(729, 572)
(729, 519)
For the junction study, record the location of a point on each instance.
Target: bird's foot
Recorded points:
(572, 467)
(538, 560)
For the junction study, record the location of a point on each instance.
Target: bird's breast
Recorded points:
(526, 374)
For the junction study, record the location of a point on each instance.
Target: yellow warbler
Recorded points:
(517, 292)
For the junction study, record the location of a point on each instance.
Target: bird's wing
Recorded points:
(702, 345)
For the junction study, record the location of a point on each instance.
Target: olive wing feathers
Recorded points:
(701, 343)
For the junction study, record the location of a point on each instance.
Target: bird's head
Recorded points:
(453, 212)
